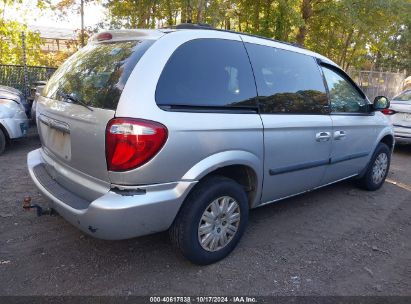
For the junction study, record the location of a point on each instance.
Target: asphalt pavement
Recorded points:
(338, 240)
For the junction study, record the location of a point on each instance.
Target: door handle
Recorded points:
(339, 135)
(323, 136)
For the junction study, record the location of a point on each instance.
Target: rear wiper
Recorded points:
(75, 100)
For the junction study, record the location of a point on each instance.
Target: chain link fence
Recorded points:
(13, 75)
(376, 83)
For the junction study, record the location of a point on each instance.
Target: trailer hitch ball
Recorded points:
(27, 202)
(27, 206)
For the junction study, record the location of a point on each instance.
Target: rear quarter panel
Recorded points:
(197, 142)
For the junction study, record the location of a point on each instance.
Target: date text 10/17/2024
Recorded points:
(205, 299)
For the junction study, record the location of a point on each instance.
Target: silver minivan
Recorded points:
(187, 129)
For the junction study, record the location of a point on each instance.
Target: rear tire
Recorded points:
(377, 170)
(211, 220)
(2, 142)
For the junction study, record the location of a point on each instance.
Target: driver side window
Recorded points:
(343, 96)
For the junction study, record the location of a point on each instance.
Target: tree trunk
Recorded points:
(256, 16)
(82, 22)
(189, 13)
(306, 13)
(227, 25)
(184, 9)
(267, 15)
(330, 33)
(282, 24)
(349, 61)
(152, 18)
(169, 13)
(345, 49)
(200, 8)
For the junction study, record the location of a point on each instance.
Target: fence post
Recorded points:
(26, 76)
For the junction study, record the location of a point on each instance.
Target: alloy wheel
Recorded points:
(379, 168)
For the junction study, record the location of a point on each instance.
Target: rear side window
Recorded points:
(344, 97)
(207, 73)
(287, 82)
(97, 74)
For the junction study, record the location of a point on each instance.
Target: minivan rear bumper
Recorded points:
(115, 215)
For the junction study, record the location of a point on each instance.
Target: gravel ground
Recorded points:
(335, 241)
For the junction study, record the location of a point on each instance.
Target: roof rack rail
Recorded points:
(204, 26)
(192, 26)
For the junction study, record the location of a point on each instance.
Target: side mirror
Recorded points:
(381, 103)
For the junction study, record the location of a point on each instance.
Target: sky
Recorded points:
(29, 14)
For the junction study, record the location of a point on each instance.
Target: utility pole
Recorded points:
(82, 22)
(26, 90)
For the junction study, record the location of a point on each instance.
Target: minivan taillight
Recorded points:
(131, 143)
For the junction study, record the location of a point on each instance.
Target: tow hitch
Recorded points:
(27, 206)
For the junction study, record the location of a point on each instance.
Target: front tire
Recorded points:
(211, 221)
(377, 169)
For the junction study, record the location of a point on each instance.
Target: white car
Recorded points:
(13, 119)
(399, 114)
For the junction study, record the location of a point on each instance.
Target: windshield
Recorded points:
(405, 96)
(97, 74)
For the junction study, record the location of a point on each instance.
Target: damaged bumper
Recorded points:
(121, 213)
(16, 128)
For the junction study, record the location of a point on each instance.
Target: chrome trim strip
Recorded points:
(298, 167)
(318, 163)
(348, 157)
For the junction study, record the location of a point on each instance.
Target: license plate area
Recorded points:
(55, 137)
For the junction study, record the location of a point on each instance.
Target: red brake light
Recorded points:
(131, 143)
(388, 112)
(104, 36)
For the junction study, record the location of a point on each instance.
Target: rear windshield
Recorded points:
(96, 75)
(406, 96)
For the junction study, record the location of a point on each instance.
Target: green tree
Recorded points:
(351, 32)
(367, 33)
(11, 50)
(395, 53)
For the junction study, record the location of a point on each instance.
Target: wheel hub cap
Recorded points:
(219, 223)
(379, 168)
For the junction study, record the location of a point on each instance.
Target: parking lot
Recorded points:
(338, 240)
